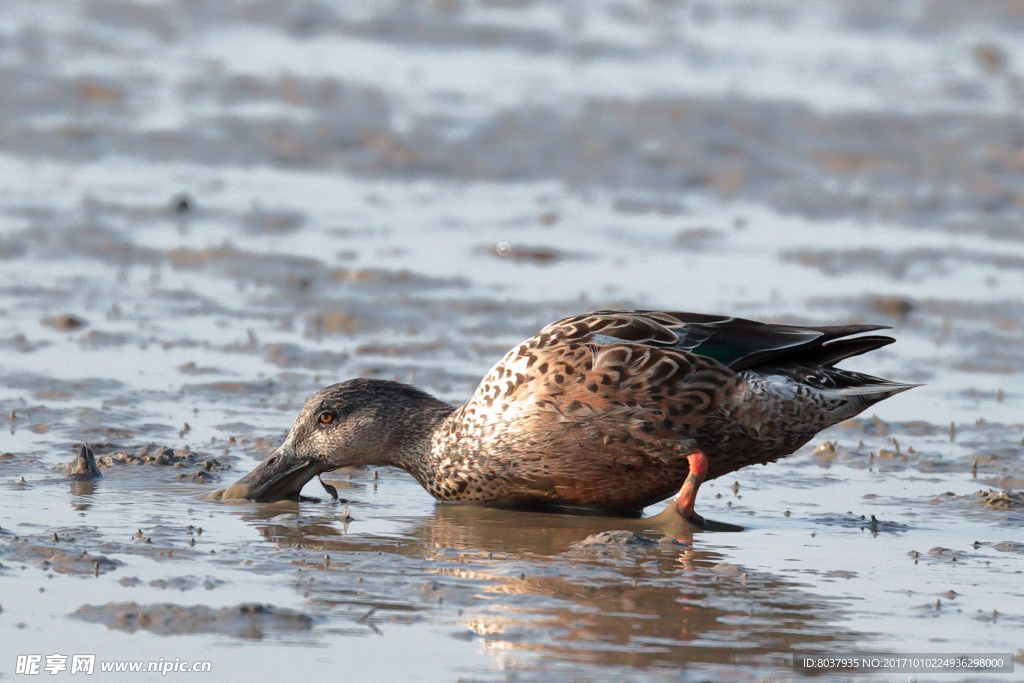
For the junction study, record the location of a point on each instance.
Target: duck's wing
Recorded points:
(602, 410)
(640, 373)
(621, 398)
(737, 343)
(695, 374)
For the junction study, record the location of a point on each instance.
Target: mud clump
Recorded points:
(940, 553)
(84, 466)
(991, 58)
(862, 522)
(1001, 500)
(615, 538)
(1009, 547)
(250, 620)
(60, 561)
(65, 322)
(181, 583)
(160, 456)
(827, 450)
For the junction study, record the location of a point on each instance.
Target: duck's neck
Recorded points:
(411, 431)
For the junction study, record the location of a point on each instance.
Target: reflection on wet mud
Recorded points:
(244, 621)
(84, 489)
(524, 582)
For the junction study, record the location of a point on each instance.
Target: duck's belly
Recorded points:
(624, 492)
(624, 482)
(582, 474)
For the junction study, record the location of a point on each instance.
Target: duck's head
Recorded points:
(358, 422)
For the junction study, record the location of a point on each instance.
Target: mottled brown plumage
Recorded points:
(602, 410)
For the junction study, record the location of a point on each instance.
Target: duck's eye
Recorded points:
(326, 417)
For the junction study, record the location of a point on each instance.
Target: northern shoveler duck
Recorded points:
(612, 410)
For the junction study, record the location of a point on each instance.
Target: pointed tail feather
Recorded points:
(867, 392)
(882, 388)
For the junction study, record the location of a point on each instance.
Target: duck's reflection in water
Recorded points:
(531, 582)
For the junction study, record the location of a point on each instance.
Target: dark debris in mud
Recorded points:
(250, 620)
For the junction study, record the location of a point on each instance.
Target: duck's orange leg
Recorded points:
(688, 493)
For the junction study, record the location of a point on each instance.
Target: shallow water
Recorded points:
(244, 203)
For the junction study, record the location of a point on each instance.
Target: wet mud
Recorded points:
(203, 469)
(279, 196)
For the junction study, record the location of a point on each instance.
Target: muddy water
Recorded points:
(210, 211)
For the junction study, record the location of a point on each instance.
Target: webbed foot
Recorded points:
(683, 505)
(696, 521)
(672, 518)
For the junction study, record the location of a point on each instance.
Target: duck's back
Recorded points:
(602, 409)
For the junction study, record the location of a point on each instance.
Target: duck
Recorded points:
(608, 411)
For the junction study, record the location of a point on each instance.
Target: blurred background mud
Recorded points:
(208, 210)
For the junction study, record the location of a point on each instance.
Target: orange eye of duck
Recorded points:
(326, 418)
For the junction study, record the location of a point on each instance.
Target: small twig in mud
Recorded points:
(369, 624)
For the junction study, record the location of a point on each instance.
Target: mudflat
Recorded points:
(208, 212)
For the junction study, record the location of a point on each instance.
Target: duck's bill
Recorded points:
(279, 477)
